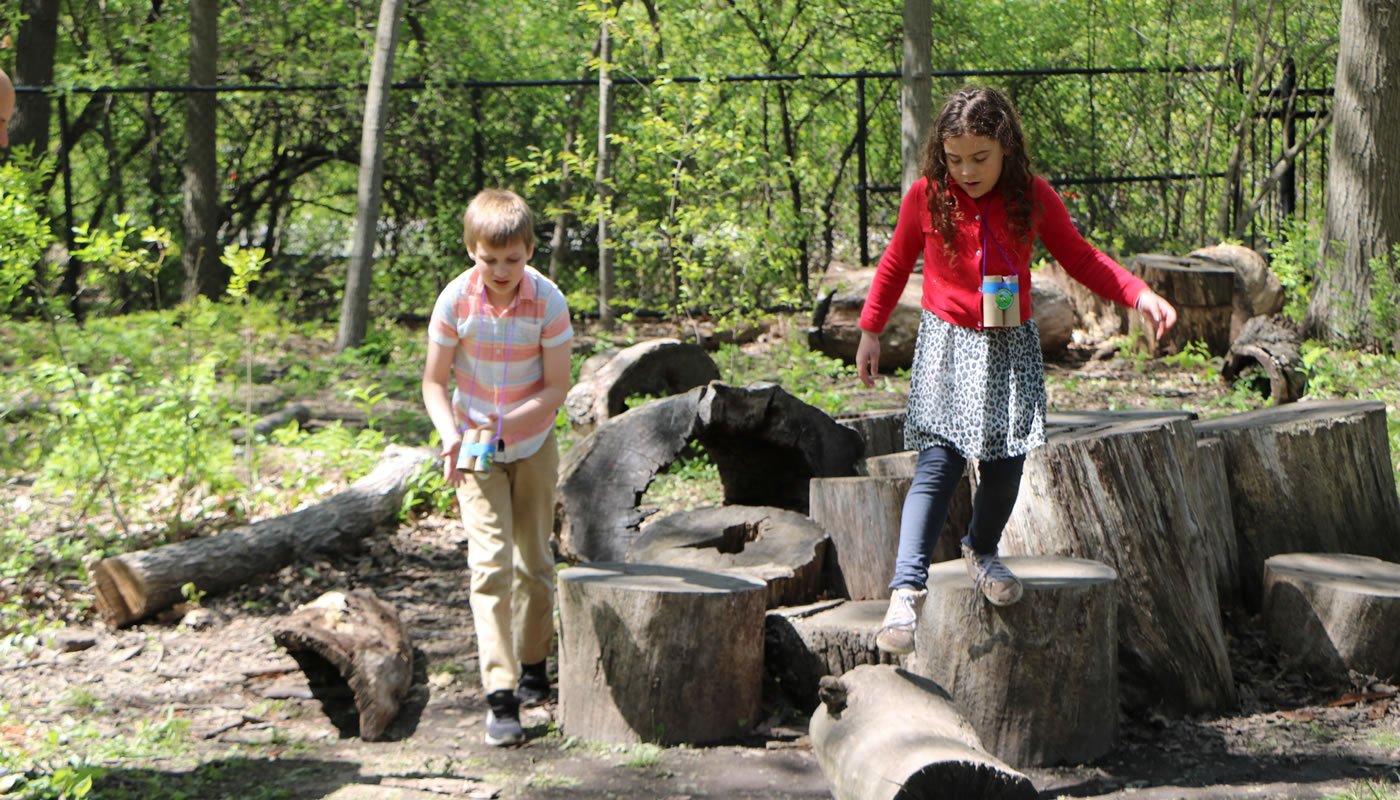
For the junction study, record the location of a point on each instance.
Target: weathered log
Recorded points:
(658, 654)
(1213, 479)
(893, 465)
(1258, 291)
(861, 515)
(1203, 294)
(1038, 680)
(359, 639)
(295, 412)
(132, 586)
(782, 548)
(765, 443)
(882, 432)
(1335, 612)
(1272, 344)
(802, 644)
(882, 733)
(1128, 494)
(659, 367)
(1311, 477)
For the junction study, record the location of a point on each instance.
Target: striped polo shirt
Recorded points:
(497, 363)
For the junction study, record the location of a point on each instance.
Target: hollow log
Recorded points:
(1312, 477)
(658, 654)
(132, 586)
(362, 639)
(802, 644)
(1272, 345)
(765, 443)
(1335, 612)
(1128, 494)
(658, 367)
(782, 548)
(1038, 680)
(861, 515)
(1203, 293)
(883, 733)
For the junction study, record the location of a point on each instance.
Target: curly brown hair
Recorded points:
(979, 111)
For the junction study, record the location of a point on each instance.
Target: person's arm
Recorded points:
(541, 408)
(891, 276)
(437, 398)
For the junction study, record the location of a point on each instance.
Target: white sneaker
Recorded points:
(896, 634)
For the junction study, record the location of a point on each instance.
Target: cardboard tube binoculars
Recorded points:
(478, 450)
(1001, 301)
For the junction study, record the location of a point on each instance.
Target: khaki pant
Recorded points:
(508, 514)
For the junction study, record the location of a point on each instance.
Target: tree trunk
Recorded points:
(364, 644)
(132, 586)
(861, 515)
(354, 307)
(1038, 680)
(1363, 178)
(603, 179)
(1335, 612)
(657, 367)
(34, 57)
(916, 88)
(803, 644)
(882, 733)
(650, 653)
(1128, 494)
(204, 274)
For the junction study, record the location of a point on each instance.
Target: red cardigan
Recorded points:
(952, 286)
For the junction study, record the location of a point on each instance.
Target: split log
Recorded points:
(132, 586)
(1273, 345)
(1128, 494)
(1038, 680)
(782, 548)
(356, 639)
(861, 515)
(1335, 612)
(1203, 294)
(1312, 477)
(882, 432)
(658, 654)
(1258, 291)
(882, 733)
(297, 412)
(803, 644)
(765, 443)
(659, 367)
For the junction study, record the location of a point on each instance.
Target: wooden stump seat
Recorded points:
(803, 644)
(1335, 612)
(1038, 680)
(1203, 294)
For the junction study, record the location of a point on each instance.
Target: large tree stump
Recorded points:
(1272, 345)
(659, 654)
(1258, 291)
(882, 432)
(1038, 680)
(882, 733)
(132, 586)
(359, 639)
(1213, 479)
(1335, 612)
(1203, 294)
(861, 515)
(1308, 477)
(766, 444)
(782, 548)
(1128, 494)
(659, 367)
(802, 644)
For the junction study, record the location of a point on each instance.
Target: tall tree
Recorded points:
(38, 36)
(603, 177)
(354, 309)
(1363, 179)
(203, 274)
(916, 88)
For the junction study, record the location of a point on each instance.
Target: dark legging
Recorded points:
(935, 479)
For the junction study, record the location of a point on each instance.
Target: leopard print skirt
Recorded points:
(981, 392)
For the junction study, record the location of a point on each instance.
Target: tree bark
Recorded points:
(651, 653)
(1362, 220)
(1203, 294)
(1274, 347)
(861, 515)
(882, 733)
(916, 88)
(354, 307)
(204, 274)
(34, 59)
(132, 586)
(603, 178)
(882, 432)
(1335, 612)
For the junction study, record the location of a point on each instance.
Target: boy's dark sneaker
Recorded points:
(533, 686)
(503, 719)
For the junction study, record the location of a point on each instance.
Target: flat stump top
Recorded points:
(1036, 572)
(1343, 572)
(659, 578)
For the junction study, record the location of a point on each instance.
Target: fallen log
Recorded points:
(658, 367)
(132, 586)
(1272, 345)
(803, 644)
(356, 639)
(882, 733)
(1335, 612)
(295, 412)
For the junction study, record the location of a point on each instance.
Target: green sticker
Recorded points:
(1004, 298)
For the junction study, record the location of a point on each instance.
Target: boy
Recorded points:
(501, 330)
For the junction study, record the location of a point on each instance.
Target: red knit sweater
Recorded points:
(952, 285)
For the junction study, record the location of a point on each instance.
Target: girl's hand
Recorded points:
(1157, 309)
(868, 358)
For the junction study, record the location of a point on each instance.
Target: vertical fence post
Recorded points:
(862, 186)
(1287, 185)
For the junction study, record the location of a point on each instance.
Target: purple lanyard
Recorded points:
(505, 365)
(985, 234)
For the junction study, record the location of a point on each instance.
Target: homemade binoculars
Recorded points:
(478, 450)
(1001, 301)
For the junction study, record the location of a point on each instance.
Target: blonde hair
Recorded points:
(498, 217)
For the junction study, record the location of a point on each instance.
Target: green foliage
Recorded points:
(23, 229)
(1196, 356)
(1385, 295)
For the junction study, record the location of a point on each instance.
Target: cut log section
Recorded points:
(361, 639)
(861, 515)
(1128, 494)
(1311, 477)
(882, 733)
(802, 644)
(659, 654)
(657, 367)
(1038, 680)
(882, 432)
(1203, 294)
(782, 548)
(765, 443)
(1272, 345)
(1335, 612)
(132, 586)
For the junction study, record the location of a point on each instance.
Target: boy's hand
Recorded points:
(1157, 309)
(450, 473)
(868, 358)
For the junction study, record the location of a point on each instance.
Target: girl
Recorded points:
(977, 389)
